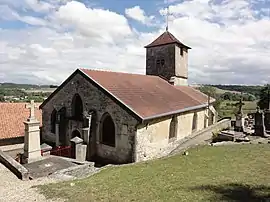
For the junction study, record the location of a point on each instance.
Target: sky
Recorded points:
(44, 41)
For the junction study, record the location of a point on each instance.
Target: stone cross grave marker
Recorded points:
(32, 107)
(239, 124)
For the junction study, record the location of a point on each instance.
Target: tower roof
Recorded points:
(166, 38)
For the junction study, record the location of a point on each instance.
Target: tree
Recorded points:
(264, 97)
(211, 91)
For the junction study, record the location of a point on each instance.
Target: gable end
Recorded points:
(94, 83)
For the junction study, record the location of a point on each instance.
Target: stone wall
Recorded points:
(181, 62)
(153, 137)
(11, 141)
(166, 53)
(93, 99)
(19, 170)
(149, 147)
(175, 64)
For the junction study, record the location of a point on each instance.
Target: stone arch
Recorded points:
(194, 121)
(53, 120)
(107, 130)
(173, 127)
(77, 107)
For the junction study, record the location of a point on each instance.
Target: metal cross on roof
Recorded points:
(32, 107)
(167, 18)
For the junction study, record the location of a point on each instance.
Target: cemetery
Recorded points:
(246, 128)
(42, 160)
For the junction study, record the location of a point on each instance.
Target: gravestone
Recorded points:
(267, 120)
(259, 123)
(32, 151)
(239, 124)
(79, 149)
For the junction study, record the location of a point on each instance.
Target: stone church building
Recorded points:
(126, 117)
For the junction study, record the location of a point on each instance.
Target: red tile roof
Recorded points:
(166, 38)
(12, 116)
(195, 94)
(147, 96)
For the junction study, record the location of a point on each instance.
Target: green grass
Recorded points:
(227, 108)
(228, 173)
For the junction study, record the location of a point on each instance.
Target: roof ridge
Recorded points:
(109, 71)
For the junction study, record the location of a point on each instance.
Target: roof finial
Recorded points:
(167, 19)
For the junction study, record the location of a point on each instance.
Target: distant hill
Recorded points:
(253, 90)
(25, 86)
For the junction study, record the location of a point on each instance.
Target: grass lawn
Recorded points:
(224, 173)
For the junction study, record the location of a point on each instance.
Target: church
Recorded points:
(124, 117)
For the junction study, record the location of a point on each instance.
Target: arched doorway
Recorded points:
(77, 108)
(107, 130)
(62, 126)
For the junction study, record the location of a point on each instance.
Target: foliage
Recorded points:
(22, 86)
(211, 91)
(263, 101)
(215, 135)
(225, 173)
(253, 90)
(236, 96)
(12, 92)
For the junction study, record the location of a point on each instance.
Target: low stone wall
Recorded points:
(225, 123)
(19, 170)
(186, 143)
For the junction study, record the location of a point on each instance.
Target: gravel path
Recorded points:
(16, 190)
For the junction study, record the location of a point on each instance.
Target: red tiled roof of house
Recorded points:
(166, 38)
(12, 116)
(147, 96)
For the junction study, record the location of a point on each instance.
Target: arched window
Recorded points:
(107, 130)
(77, 107)
(53, 120)
(62, 126)
(194, 122)
(173, 128)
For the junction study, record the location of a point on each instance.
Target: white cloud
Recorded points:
(96, 23)
(230, 44)
(136, 13)
(9, 14)
(39, 6)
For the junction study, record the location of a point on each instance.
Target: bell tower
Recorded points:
(167, 57)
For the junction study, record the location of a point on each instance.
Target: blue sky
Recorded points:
(44, 41)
